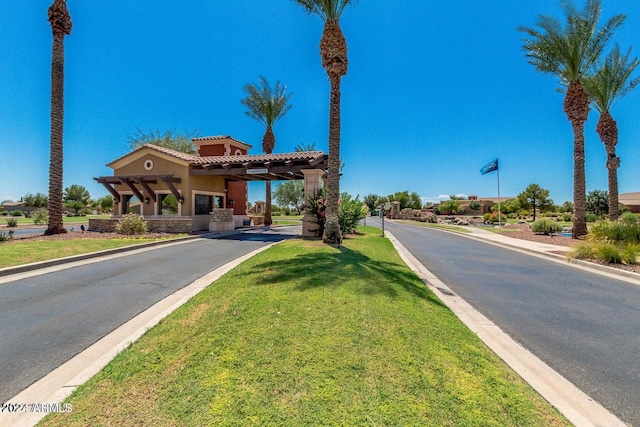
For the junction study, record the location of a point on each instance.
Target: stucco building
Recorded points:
(176, 191)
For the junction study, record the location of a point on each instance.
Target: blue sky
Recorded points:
(434, 91)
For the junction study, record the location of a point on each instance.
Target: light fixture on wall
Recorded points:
(231, 203)
(147, 200)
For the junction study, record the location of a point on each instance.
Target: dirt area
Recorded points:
(525, 233)
(77, 234)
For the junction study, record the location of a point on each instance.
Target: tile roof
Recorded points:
(220, 160)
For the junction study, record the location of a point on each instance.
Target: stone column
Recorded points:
(312, 184)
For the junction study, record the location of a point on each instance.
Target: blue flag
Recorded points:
(490, 167)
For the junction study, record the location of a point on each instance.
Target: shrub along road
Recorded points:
(584, 325)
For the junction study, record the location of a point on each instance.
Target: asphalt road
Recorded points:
(584, 325)
(48, 319)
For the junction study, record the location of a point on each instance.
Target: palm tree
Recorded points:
(267, 105)
(569, 53)
(333, 51)
(606, 86)
(60, 26)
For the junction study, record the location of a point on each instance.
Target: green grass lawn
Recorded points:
(309, 334)
(17, 252)
(287, 220)
(66, 220)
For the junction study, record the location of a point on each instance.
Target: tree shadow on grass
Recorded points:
(316, 270)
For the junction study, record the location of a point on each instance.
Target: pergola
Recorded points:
(267, 167)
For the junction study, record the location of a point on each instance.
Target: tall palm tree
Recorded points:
(333, 51)
(60, 26)
(267, 105)
(568, 53)
(606, 86)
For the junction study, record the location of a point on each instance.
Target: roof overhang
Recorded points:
(266, 167)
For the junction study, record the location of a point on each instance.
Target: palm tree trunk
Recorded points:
(332, 232)
(333, 51)
(576, 106)
(607, 129)
(60, 26)
(579, 183)
(268, 144)
(268, 220)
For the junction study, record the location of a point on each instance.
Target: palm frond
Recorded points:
(611, 79)
(570, 51)
(266, 104)
(328, 10)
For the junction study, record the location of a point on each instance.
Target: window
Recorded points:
(204, 204)
(168, 204)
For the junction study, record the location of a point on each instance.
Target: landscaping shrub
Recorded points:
(17, 212)
(608, 253)
(591, 217)
(4, 213)
(584, 250)
(40, 216)
(130, 224)
(12, 222)
(566, 217)
(545, 226)
(615, 232)
(6, 236)
(630, 254)
(629, 218)
(350, 211)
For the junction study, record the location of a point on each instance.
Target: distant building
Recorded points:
(630, 200)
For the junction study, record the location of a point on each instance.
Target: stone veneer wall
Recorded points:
(154, 225)
(221, 220)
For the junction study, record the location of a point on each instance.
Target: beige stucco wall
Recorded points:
(165, 165)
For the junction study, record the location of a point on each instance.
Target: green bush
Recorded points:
(591, 217)
(6, 236)
(615, 232)
(17, 212)
(40, 216)
(545, 226)
(566, 217)
(12, 222)
(584, 250)
(608, 253)
(4, 213)
(629, 218)
(350, 211)
(130, 224)
(630, 254)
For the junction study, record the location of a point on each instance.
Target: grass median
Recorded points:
(309, 334)
(20, 252)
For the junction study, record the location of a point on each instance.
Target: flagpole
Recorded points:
(499, 214)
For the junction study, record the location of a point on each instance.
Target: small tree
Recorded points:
(474, 205)
(598, 202)
(76, 193)
(291, 194)
(449, 207)
(37, 200)
(534, 197)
